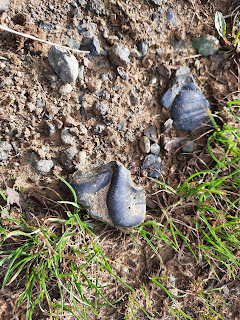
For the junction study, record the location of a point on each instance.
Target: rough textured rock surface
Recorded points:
(64, 64)
(109, 194)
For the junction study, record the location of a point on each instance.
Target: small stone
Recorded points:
(172, 281)
(170, 17)
(153, 81)
(105, 34)
(134, 53)
(94, 85)
(63, 63)
(98, 129)
(65, 89)
(96, 6)
(5, 149)
(66, 159)
(187, 146)
(154, 17)
(151, 133)
(159, 52)
(51, 128)
(66, 136)
(121, 126)
(167, 125)
(133, 97)
(72, 44)
(4, 5)
(153, 164)
(104, 77)
(142, 48)
(87, 29)
(46, 26)
(128, 135)
(206, 46)
(116, 88)
(81, 159)
(144, 144)
(156, 2)
(100, 107)
(92, 45)
(81, 72)
(119, 56)
(44, 166)
(155, 148)
(109, 194)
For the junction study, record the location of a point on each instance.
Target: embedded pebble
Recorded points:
(119, 56)
(51, 128)
(128, 135)
(81, 158)
(156, 2)
(144, 144)
(5, 149)
(109, 194)
(187, 146)
(100, 107)
(155, 148)
(142, 48)
(65, 89)
(63, 63)
(133, 97)
(87, 29)
(187, 105)
(167, 125)
(44, 166)
(206, 46)
(159, 52)
(154, 17)
(153, 164)
(92, 45)
(98, 129)
(170, 17)
(153, 81)
(151, 133)
(66, 159)
(66, 136)
(104, 77)
(46, 26)
(4, 5)
(81, 72)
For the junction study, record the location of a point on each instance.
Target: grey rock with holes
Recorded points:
(63, 63)
(4, 5)
(109, 194)
(5, 149)
(186, 103)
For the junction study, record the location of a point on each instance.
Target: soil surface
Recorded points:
(34, 111)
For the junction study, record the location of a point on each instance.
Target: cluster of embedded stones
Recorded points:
(108, 193)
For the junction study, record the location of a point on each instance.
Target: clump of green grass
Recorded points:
(55, 258)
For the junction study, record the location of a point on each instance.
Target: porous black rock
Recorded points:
(153, 164)
(186, 103)
(109, 194)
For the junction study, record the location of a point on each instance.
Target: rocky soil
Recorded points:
(61, 111)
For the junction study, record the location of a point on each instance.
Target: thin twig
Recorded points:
(40, 40)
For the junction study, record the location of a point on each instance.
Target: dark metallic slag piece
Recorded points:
(188, 106)
(109, 194)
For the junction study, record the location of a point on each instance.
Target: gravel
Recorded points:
(100, 107)
(155, 148)
(87, 29)
(64, 64)
(5, 149)
(142, 48)
(151, 133)
(170, 17)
